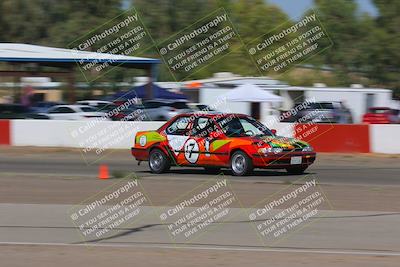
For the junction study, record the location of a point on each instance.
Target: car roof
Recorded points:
(93, 101)
(212, 114)
(373, 108)
(70, 106)
(168, 101)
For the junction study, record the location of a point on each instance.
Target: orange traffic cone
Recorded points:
(103, 172)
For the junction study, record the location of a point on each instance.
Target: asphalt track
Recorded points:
(42, 185)
(329, 168)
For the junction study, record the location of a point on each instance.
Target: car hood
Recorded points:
(279, 141)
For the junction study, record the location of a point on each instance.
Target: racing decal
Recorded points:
(176, 142)
(284, 142)
(150, 136)
(207, 147)
(191, 151)
(218, 143)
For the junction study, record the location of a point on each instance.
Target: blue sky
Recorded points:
(295, 8)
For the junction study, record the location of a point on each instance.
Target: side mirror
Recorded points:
(273, 131)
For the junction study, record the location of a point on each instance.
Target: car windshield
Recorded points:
(234, 126)
(320, 105)
(379, 111)
(179, 105)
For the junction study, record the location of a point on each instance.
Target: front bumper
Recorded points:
(282, 160)
(140, 153)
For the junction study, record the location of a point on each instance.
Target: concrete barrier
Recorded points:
(58, 133)
(5, 133)
(385, 138)
(343, 138)
(350, 138)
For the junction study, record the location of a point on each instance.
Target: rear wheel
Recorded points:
(296, 170)
(241, 164)
(158, 161)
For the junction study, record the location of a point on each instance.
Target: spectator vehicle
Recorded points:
(105, 107)
(318, 112)
(98, 104)
(381, 115)
(200, 108)
(17, 111)
(215, 141)
(74, 112)
(162, 110)
(43, 106)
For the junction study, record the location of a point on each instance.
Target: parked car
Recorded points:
(105, 107)
(43, 106)
(200, 108)
(74, 112)
(98, 104)
(215, 141)
(381, 115)
(319, 112)
(17, 111)
(162, 110)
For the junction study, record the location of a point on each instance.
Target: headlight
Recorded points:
(308, 149)
(266, 150)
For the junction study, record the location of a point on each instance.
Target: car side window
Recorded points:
(203, 127)
(62, 110)
(56, 110)
(180, 126)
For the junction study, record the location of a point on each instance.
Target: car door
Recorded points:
(63, 113)
(206, 142)
(177, 134)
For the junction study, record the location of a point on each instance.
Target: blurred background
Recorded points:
(365, 54)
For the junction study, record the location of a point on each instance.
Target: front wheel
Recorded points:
(241, 164)
(296, 170)
(158, 161)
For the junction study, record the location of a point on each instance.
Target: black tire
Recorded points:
(241, 164)
(296, 170)
(212, 169)
(158, 161)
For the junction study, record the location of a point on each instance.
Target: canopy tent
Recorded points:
(17, 54)
(140, 92)
(254, 94)
(251, 93)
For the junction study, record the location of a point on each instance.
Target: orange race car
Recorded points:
(219, 140)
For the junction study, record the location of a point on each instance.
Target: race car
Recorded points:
(220, 140)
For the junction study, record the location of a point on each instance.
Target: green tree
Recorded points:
(384, 48)
(340, 19)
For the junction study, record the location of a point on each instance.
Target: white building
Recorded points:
(357, 98)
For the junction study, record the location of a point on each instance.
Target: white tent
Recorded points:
(251, 93)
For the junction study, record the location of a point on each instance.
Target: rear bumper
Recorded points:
(283, 160)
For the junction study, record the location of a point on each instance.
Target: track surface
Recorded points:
(39, 187)
(329, 168)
